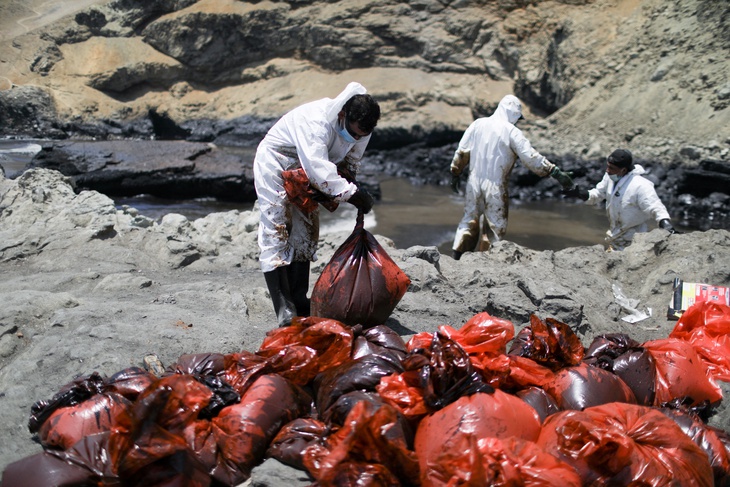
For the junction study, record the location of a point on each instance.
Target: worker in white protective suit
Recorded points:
(320, 137)
(631, 200)
(490, 147)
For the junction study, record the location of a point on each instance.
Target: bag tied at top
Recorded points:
(361, 284)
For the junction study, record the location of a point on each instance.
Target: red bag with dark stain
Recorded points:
(708, 438)
(618, 353)
(680, 373)
(584, 386)
(380, 340)
(129, 382)
(147, 442)
(309, 346)
(458, 427)
(302, 194)
(361, 284)
(541, 401)
(550, 343)
(242, 369)
(625, 444)
(289, 444)
(706, 325)
(86, 463)
(68, 425)
(363, 374)
(244, 431)
(371, 449)
(498, 462)
(74, 392)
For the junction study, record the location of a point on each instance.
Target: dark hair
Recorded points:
(363, 109)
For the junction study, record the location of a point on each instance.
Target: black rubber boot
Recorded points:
(299, 284)
(278, 283)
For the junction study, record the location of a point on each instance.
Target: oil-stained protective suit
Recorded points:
(491, 146)
(305, 137)
(631, 204)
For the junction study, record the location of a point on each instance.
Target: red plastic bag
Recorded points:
(584, 386)
(66, 426)
(618, 353)
(405, 392)
(550, 343)
(242, 369)
(361, 284)
(244, 431)
(289, 444)
(680, 373)
(85, 463)
(371, 448)
(308, 347)
(511, 371)
(302, 194)
(147, 443)
(458, 428)
(625, 444)
(482, 334)
(706, 325)
(708, 438)
(498, 462)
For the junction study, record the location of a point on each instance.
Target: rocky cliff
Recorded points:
(645, 74)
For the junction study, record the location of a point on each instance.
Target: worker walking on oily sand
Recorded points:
(490, 147)
(631, 200)
(326, 138)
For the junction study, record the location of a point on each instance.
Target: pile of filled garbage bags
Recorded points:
(360, 407)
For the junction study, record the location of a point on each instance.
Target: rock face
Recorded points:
(87, 287)
(168, 169)
(648, 75)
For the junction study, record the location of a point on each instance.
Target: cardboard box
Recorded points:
(688, 293)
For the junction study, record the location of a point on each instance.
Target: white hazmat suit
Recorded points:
(305, 137)
(491, 146)
(631, 204)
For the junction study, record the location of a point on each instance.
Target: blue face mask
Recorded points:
(614, 177)
(342, 130)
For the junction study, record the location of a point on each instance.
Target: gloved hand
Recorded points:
(455, 183)
(362, 200)
(564, 178)
(576, 192)
(667, 225)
